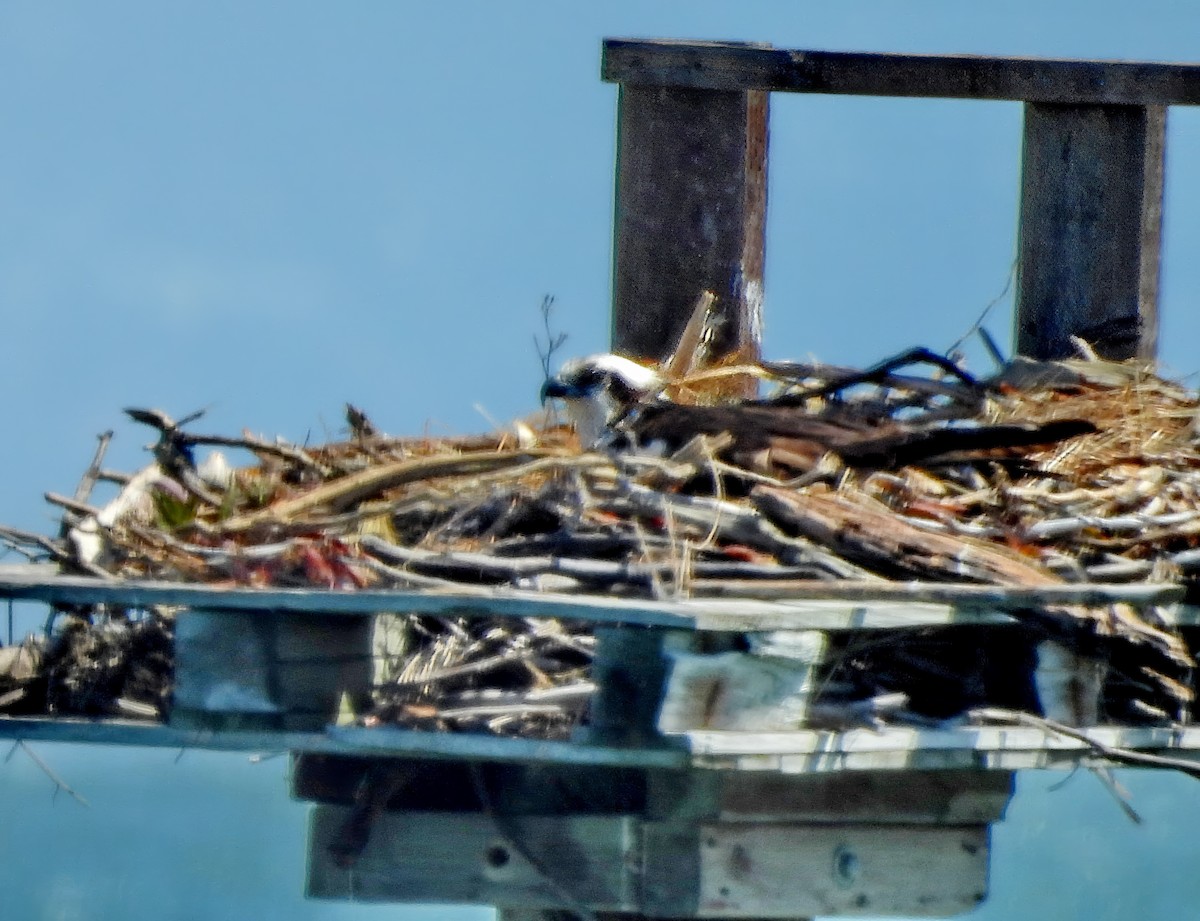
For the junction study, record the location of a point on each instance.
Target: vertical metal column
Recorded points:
(1091, 229)
(691, 199)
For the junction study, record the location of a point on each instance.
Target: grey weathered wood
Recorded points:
(469, 858)
(964, 797)
(719, 66)
(690, 215)
(798, 751)
(618, 863)
(934, 797)
(979, 748)
(630, 672)
(817, 605)
(245, 668)
(766, 689)
(387, 741)
(1091, 228)
(781, 871)
(381, 742)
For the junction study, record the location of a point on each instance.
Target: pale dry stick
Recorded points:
(1055, 528)
(440, 651)
(577, 689)
(470, 564)
(414, 580)
(1116, 791)
(657, 590)
(512, 711)
(17, 536)
(347, 490)
(71, 505)
(1115, 753)
(583, 643)
(88, 481)
(758, 372)
(59, 783)
(738, 524)
(1142, 486)
(485, 664)
(951, 526)
(254, 552)
(279, 449)
(684, 357)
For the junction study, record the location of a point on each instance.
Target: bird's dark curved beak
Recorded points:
(553, 388)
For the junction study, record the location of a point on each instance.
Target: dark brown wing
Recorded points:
(798, 440)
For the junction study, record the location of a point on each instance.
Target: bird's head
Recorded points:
(599, 390)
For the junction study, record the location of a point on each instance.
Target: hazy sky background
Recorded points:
(269, 209)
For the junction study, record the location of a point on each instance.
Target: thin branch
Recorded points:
(59, 783)
(554, 341)
(1111, 752)
(87, 482)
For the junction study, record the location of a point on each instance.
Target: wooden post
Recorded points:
(691, 199)
(1091, 226)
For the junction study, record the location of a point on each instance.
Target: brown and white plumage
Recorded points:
(599, 390)
(613, 401)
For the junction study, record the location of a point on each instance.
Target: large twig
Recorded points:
(88, 482)
(1111, 752)
(347, 490)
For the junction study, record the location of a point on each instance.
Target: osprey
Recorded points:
(600, 391)
(614, 401)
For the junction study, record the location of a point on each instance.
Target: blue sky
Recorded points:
(269, 209)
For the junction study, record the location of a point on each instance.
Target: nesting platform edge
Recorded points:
(819, 606)
(800, 751)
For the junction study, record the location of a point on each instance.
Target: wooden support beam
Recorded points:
(1091, 226)
(266, 669)
(691, 199)
(657, 870)
(630, 671)
(723, 66)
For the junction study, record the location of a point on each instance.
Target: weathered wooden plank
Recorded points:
(721, 66)
(979, 748)
(241, 668)
(618, 863)
(799, 751)
(538, 861)
(815, 605)
(690, 216)
(387, 741)
(159, 735)
(381, 742)
(630, 672)
(967, 797)
(1090, 231)
(788, 871)
(933, 797)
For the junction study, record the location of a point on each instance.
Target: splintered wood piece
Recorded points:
(687, 355)
(868, 533)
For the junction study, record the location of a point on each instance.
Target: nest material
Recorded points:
(528, 509)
